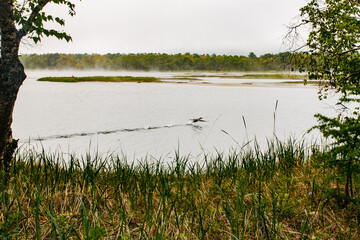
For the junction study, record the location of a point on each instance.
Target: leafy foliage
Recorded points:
(334, 45)
(32, 20)
(334, 58)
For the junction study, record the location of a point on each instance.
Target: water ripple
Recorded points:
(85, 134)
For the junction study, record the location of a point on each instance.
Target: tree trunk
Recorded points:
(8, 93)
(12, 76)
(348, 186)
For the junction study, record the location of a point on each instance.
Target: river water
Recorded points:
(152, 119)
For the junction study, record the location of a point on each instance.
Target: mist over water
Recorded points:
(152, 119)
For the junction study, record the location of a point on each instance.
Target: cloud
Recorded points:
(171, 26)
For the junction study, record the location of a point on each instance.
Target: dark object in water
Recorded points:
(200, 119)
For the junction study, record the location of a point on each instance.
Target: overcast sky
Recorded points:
(173, 26)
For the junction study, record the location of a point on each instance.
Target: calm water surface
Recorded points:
(152, 119)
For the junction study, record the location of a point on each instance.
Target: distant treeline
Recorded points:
(160, 62)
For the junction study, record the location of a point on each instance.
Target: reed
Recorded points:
(281, 192)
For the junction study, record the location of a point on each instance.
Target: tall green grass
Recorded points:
(281, 192)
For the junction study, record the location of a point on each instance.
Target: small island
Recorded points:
(99, 79)
(191, 78)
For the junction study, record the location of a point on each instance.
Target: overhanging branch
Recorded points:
(24, 30)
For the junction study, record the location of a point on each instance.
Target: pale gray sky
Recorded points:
(173, 26)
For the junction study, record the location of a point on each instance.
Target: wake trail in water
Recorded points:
(85, 134)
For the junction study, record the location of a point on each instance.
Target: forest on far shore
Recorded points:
(160, 62)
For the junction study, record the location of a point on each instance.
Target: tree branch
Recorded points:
(24, 30)
(292, 30)
(350, 50)
(299, 48)
(353, 3)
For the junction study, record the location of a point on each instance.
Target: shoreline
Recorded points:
(268, 80)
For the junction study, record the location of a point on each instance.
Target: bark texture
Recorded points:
(12, 76)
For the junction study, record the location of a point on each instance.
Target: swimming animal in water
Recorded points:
(200, 119)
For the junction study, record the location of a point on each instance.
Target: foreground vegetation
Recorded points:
(160, 62)
(284, 192)
(99, 79)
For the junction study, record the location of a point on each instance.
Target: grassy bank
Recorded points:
(99, 79)
(284, 192)
(154, 79)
